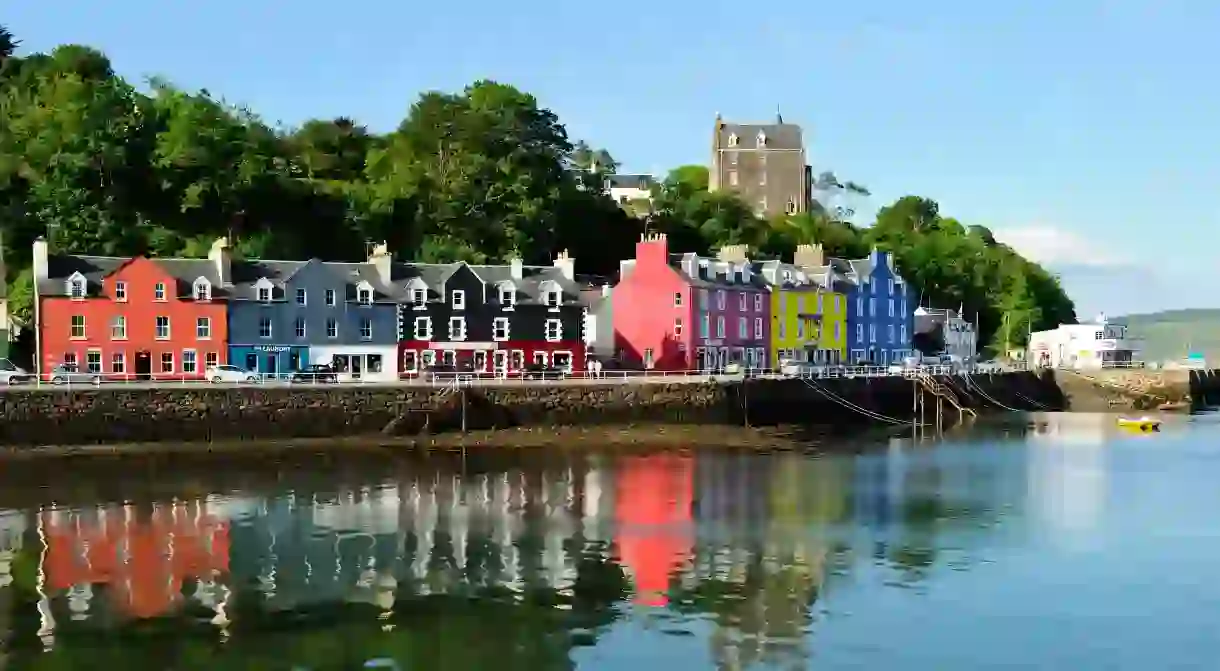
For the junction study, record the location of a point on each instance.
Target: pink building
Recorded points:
(683, 311)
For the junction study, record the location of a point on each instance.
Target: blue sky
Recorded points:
(1083, 132)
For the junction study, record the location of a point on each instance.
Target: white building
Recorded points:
(370, 363)
(961, 340)
(626, 189)
(1094, 345)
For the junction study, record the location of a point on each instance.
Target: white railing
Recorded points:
(452, 379)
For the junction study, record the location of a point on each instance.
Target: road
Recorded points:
(404, 384)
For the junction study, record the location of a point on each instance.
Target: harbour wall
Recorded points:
(1125, 389)
(208, 414)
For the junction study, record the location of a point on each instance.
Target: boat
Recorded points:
(1139, 423)
(1178, 406)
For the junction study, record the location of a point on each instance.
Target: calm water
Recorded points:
(1063, 546)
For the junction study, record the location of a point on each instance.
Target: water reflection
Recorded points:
(506, 567)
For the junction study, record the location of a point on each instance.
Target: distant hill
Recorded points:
(1170, 334)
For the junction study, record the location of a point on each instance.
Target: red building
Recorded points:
(136, 318)
(143, 561)
(653, 501)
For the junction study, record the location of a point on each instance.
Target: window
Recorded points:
(264, 327)
(703, 299)
(419, 297)
(162, 326)
(448, 357)
(720, 299)
(167, 362)
(78, 327)
(70, 359)
(742, 302)
(554, 330)
(553, 299)
(301, 296)
(120, 292)
(159, 291)
(366, 329)
(649, 360)
(780, 330)
(872, 307)
(859, 307)
(458, 299)
(872, 333)
(762, 178)
(118, 328)
(540, 358)
(890, 334)
(859, 332)
(902, 333)
(499, 329)
(761, 141)
(903, 306)
(758, 328)
(733, 140)
(188, 361)
(93, 361)
(202, 290)
(298, 327)
(76, 288)
(705, 326)
(332, 327)
(732, 178)
(1100, 335)
(203, 328)
(743, 328)
(211, 360)
(720, 327)
(330, 298)
(264, 294)
(677, 299)
(891, 307)
(677, 327)
(118, 363)
(821, 302)
(508, 297)
(364, 295)
(457, 328)
(891, 287)
(562, 360)
(758, 302)
(423, 328)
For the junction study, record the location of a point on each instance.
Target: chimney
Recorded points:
(808, 256)
(41, 269)
(383, 261)
(653, 248)
(566, 265)
(690, 265)
(733, 253)
(516, 268)
(221, 255)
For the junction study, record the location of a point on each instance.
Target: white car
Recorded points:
(227, 373)
(10, 373)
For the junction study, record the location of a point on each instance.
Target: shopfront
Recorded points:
(270, 360)
(373, 363)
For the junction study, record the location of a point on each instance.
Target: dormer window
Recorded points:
(552, 295)
(733, 139)
(364, 293)
(76, 286)
(419, 297)
(508, 296)
(458, 299)
(159, 292)
(264, 294)
(762, 139)
(120, 291)
(203, 289)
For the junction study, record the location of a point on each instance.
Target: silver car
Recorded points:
(10, 373)
(67, 373)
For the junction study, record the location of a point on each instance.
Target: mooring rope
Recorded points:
(975, 386)
(852, 406)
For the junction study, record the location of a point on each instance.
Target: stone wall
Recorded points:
(117, 415)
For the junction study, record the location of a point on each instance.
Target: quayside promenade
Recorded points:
(113, 414)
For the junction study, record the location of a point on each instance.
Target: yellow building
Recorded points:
(808, 321)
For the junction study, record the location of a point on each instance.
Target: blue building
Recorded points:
(880, 309)
(287, 315)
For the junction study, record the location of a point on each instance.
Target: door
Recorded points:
(252, 362)
(357, 366)
(480, 361)
(410, 363)
(143, 365)
(500, 358)
(273, 361)
(294, 360)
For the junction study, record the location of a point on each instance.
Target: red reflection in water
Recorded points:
(653, 509)
(143, 562)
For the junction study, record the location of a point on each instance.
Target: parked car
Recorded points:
(444, 372)
(537, 371)
(317, 373)
(11, 373)
(228, 373)
(67, 373)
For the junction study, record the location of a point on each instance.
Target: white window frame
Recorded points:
(540, 358)
(161, 364)
(758, 302)
(203, 328)
(872, 306)
(872, 333)
(332, 327)
(721, 298)
(76, 287)
(332, 298)
(891, 307)
(720, 326)
(859, 333)
(705, 326)
(270, 327)
(118, 363)
(758, 328)
(74, 329)
(211, 359)
(703, 299)
(423, 328)
(202, 289)
(890, 334)
(563, 352)
(298, 327)
(90, 356)
(457, 299)
(677, 299)
(120, 291)
(500, 324)
(70, 359)
(118, 327)
(301, 296)
(891, 286)
(508, 296)
(364, 293)
(902, 333)
(743, 302)
(190, 361)
(419, 298)
(366, 329)
(743, 328)
(457, 328)
(678, 326)
(157, 327)
(553, 330)
(412, 357)
(159, 292)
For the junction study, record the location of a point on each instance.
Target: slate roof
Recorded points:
(529, 287)
(641, 182)
(705, 279)
(60, 267)
(778, 135)
(786, 275)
